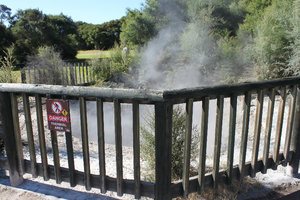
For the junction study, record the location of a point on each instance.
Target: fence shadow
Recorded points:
(51, 190)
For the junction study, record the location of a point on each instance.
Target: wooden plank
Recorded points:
(70, 153)
(101, 144)
(79, 73)
(136, 148)
(245, 130)
(72, 78)
(29, 75)
(257, 130)
(203, 143)
(187, 147)
(218, 138)
(177, 187)
(76, 91)
(227, 90)
(83, 74)
(15, 115)
(15, 175)
(55, 156)
(279, 124)
(41, 132)
(85, 143)
(295, 146)
(75, 72)
(231, 136)
(67, 73)
(118, 144)
(289, 128)
(87, 72)
(147, 188)
(30, 139)
(163, 150)
(268, 129)
(23, 76)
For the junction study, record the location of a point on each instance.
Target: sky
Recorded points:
(90, 11)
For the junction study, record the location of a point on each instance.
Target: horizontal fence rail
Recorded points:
(253, 142)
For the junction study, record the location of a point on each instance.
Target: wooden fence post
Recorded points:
(163, 150)
(23, 76)
(295, 147)
(9, 139)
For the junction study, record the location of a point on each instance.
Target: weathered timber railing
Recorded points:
(68, 74)
(276, 93)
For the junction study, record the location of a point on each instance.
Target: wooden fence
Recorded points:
(286, 90)
(68, 74)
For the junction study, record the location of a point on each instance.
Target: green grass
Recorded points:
(91, 54)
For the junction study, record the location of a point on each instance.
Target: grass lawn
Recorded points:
(90, 54)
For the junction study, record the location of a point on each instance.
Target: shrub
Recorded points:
(178, 137)
(111, 70)
(48, 66)
(6, 64)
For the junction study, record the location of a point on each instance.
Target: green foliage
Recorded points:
(33, 29)
(110, 70)
(294, 61)
(6, 39)
(178, 137)
(272, 43)
(100, 37)
(6, 66)
(48, 66)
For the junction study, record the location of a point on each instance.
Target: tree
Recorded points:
(33, 29)
(102, 36)
(6, 39)
(272, 48)
(5, 13)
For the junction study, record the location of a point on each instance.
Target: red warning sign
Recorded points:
(58, 114)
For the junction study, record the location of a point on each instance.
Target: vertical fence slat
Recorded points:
(55, 157)
(15, 115)
(268, 129)
(295, 146)
(72, 78)
(136, 148)
(245, 131)
(75, 72)
(231, 136)
(279, 124)
(40, 122)
(187, 147)
(101, 144)
(30, 139)
(163, 150)
(203, 143)
(70, 154)
(79, 73)
(23, 76)
(29, 75)
(290, 122)
(15, 176)
(118, 143)
(83, 74)
(85, 143)
(67, 73)
(218, 137)
(87, 72)
(257, 130)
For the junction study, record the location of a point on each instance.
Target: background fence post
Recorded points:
(295, 146)
(163, 150)
(23, 76)
(9, 139)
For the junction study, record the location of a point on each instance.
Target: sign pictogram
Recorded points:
(58, 115)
